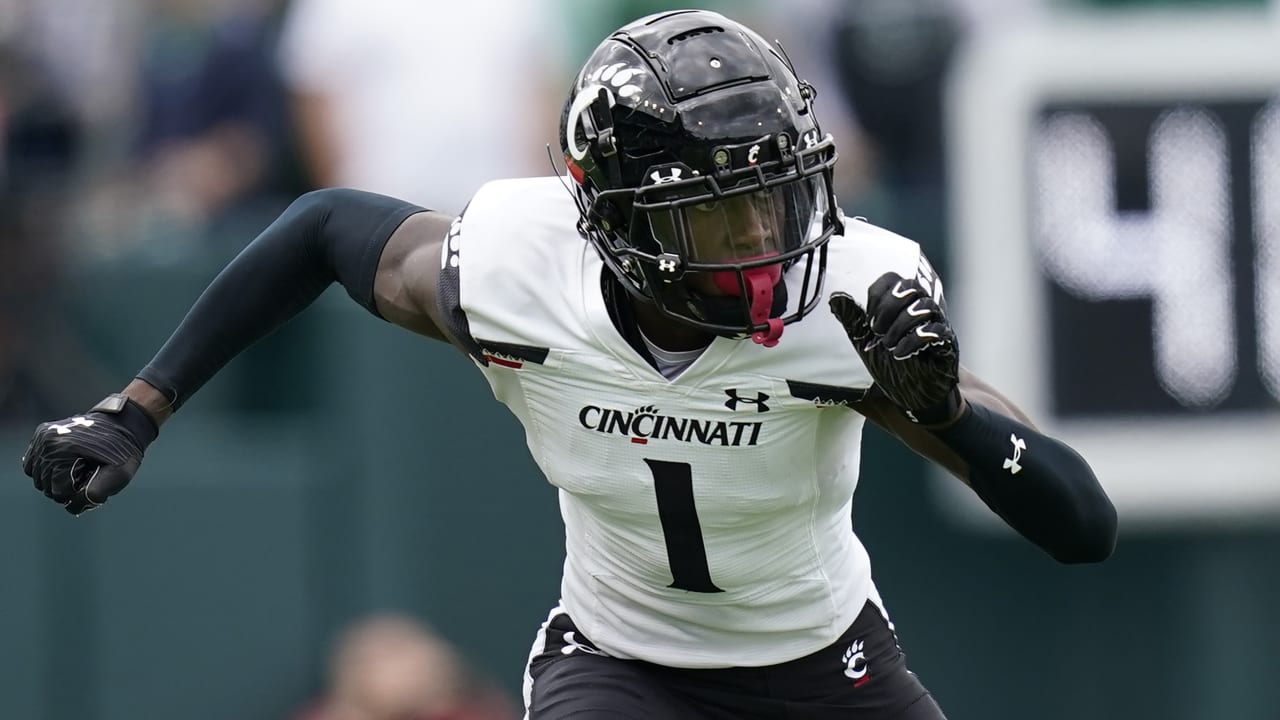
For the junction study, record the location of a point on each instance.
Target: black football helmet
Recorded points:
(694, 149)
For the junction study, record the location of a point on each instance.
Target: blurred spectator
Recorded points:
(140, 133)
(210, 159)
(214, 117)
(40, 145)
(424, 101)
(85, 49)
(981, 16)
(892, 58)
(803, 29)
(391, 667)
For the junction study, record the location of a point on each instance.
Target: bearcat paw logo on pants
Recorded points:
(855, 664)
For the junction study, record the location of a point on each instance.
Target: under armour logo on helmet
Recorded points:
(734, 398)
(671, 265)
(658, 178)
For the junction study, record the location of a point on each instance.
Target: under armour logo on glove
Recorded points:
(908, 346)
(80, 461)
(77, 420)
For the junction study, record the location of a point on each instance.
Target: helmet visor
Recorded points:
(736, 228)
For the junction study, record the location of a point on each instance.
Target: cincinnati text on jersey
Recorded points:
(648, 423)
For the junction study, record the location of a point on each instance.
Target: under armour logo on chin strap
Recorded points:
(735, 398)
(77, 420)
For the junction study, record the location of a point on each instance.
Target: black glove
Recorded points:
(82, 460)
(907, 344)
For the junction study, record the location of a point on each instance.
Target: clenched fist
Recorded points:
(80, 461)
(905, 341)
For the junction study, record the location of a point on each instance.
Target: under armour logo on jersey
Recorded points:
(665, 175)
(1011, 464)
(571, 645)
(855, 664)
(735, 399)
(77, 420)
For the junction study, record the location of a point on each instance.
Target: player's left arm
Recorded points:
(1037, 484)
(882, 411)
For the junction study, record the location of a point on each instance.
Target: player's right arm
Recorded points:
(386, 254)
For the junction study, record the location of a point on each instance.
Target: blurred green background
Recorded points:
(342, 468)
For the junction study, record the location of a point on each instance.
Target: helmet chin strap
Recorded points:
(760, 282)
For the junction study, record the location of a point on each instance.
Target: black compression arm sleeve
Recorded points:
(326, 235)
(1038, 485)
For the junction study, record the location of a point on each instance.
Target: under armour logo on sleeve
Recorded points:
(1011, 464)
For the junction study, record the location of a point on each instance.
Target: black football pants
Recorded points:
(861, 676)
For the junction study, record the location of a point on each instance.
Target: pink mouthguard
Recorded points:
(760, 282)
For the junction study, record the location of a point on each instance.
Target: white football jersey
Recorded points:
(707, 517)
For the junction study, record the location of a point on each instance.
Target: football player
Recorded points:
(693, 335)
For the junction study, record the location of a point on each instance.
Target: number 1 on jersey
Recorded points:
(673, 486)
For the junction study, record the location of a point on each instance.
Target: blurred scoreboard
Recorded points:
(1115, 249)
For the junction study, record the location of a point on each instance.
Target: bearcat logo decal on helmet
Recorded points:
(617, 77)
